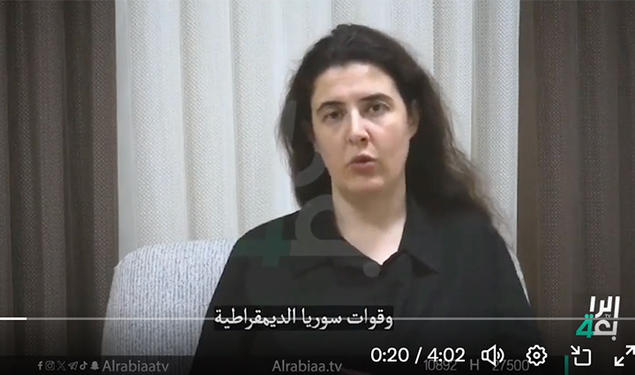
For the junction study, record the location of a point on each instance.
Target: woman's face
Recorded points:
(357, 110)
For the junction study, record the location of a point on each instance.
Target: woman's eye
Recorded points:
(377, 108)
(332, 116)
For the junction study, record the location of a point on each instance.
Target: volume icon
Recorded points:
(493, 355)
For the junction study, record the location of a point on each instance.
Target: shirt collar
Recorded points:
(321, 241)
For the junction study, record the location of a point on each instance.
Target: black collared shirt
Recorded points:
(455, 266)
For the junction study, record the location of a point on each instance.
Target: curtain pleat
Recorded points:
(7, 331)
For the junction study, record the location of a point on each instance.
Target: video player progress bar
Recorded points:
(22, 318)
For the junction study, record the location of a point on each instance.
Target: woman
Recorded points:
(390, 216)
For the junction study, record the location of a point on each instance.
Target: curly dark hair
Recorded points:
(438, 174)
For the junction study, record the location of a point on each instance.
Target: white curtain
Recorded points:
(201, 84)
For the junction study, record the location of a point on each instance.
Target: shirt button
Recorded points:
(371, 269)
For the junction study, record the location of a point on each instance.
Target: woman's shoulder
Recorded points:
(464, 222)
(470, 232)
(278, 228)
(275, 232)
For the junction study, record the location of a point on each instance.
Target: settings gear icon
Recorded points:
(536, 355)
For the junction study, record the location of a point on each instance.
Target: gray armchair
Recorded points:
(170, 287)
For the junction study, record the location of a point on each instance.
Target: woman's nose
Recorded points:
(358, 132)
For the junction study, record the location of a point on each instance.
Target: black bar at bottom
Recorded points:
(54, 365)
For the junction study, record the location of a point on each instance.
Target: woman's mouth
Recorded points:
(363, 164)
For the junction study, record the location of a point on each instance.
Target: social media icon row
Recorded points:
(51, 365)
